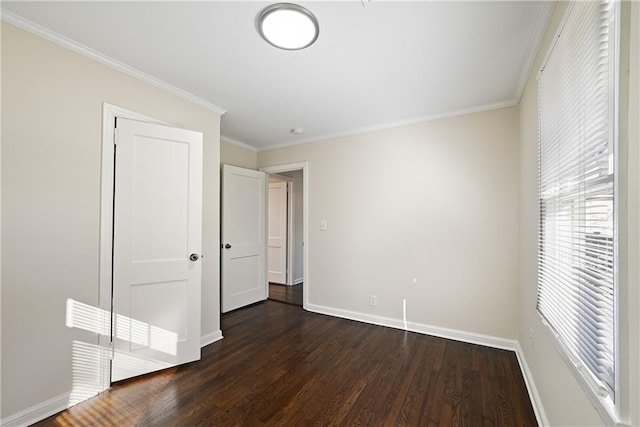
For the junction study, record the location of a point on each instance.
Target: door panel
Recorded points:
(277, 243)
(160, 199)
(157, 225)
(243, 228)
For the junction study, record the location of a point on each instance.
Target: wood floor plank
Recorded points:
(279, 365)
(287, 294)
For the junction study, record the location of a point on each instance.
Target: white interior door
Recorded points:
(277, 231)
(156, 248)
(243, 237)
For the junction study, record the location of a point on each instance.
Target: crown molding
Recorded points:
(45, 33)
(542, 21)
(450, 114)
(237, 143)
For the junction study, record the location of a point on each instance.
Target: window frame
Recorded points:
(612, 411)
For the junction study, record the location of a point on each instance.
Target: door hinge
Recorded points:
(115, 131)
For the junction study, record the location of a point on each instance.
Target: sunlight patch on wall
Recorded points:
(88, 318)
(90, 362)
(87, 359)
(139, 334)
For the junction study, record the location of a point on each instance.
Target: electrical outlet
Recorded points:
(373, 300)
(531, 337)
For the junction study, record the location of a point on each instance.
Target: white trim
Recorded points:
(1, 227)
(605, 407)
(304, 166)
(534, 396)
(45, 409)
(74, 46)
(611, 410)
(542, 21)
(555, 38)
(453, 334)
(399, 123)
(298, 280)
(38, 412)
(207, 339)
(437, 331)
(237, 143)
(279, 177)
(620, 409)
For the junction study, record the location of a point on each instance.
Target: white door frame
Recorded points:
(290, 222)
(109, 114)
(304, 166)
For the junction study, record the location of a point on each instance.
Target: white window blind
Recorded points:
(577, 236)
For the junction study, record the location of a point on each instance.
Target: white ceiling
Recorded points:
(373, 66)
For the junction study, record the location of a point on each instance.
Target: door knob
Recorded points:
(194, 257)
(227, 246)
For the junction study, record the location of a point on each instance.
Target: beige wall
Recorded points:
(437, 201)
(434, 201)
(235, 155)
(51, 146)
(634, 212)
(564, 400)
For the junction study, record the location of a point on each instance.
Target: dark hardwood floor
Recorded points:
(286, 294)
(280, 365)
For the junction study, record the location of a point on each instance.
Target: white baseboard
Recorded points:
(298, 280)
(37, 412)
(210, 338)
(453, 334)
(536, 402)
(60, 403)
(52, 406)
(469, 337)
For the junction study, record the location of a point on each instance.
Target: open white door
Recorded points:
(243, 237)
(156, 248)
(277, 231)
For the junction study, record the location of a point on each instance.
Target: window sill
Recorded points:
(606, 408)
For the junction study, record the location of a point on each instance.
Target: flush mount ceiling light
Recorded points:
(288, 26)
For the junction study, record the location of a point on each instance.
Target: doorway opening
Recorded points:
(284, 242)
(287, 229)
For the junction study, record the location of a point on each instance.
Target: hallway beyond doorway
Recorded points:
(286, 294)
